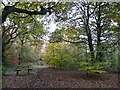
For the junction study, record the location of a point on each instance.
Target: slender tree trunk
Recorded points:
(119, 50)
(88, 31)
(99, 52)
(3, 53)
(22, 43)
(90, 45)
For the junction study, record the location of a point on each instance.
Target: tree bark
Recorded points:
(88, 31)
(99, 52)
(10, 9)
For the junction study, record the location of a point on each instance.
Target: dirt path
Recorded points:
(56, 78)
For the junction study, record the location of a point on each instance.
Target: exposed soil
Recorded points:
(61, 78)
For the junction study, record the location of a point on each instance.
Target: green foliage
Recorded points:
(61, 55)
(6, 65)
(57, 36)
(113, 62)
(25, 53)
(97, 67)
(65, 54)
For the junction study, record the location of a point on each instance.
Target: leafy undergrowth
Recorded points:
(61, 78)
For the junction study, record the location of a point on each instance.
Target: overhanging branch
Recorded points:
(10, 9)
(73, 41)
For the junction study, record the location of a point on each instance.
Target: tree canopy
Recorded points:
(87, 34)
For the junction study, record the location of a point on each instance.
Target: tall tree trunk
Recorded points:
(99, 52)
(88, 31)
(90, 44)
(22, 43)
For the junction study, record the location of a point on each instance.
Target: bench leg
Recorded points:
(29, 71)
(17, 73)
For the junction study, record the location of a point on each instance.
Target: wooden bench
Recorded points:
(28, 70)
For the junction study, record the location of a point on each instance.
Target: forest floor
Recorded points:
(61, 78)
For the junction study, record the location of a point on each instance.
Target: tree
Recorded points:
(19, 30)
(91, 27)
(91, 18)
(16, 11)
(61, 55)
(94, 20)
(12, 29)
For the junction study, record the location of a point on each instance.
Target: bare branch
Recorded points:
(94, 8)
(73, 41)
(3, 3)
